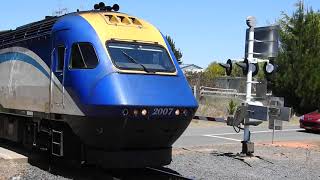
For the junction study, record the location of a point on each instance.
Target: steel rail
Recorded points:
(174, 176)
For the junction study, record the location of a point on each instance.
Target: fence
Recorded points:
(220, 92)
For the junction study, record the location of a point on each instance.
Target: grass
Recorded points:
(201, 123)
(215, 106)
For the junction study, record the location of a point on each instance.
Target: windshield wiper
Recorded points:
(135, 61)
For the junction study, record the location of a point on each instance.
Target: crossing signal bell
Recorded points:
(227, 66)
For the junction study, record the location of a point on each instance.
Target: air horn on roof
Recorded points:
(102, 7)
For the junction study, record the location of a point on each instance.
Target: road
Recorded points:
(202, 136)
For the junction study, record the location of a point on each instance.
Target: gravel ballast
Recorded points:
(285, 160)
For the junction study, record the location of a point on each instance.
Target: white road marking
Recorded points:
(220, 137)
(254, 132)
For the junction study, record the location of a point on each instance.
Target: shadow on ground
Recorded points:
(309, 131)
(72, 170)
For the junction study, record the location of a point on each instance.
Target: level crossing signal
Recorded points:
(245, 67)
(227, 66)
(265, 49)
(261, 43)
(269, 67)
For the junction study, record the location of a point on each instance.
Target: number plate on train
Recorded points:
(162, 112)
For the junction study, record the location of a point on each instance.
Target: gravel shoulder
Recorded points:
(282, 160)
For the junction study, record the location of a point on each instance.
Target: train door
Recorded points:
(58, 68)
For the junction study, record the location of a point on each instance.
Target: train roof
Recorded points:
(41, 28)
(29, 31)
(44, 27)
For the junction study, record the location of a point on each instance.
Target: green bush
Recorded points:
(298, 75)
(232, 106)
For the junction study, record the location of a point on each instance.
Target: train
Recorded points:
(98, 86)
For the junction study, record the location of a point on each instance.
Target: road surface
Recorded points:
(202, 136)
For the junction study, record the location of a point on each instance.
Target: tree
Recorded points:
(298, 76)
(214, 70)
(177, 52)
(236, 71)
(261, 76)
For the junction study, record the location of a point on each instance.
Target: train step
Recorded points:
(57, 143)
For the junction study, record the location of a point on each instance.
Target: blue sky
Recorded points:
(205, 30)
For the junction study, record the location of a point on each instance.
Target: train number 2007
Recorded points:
(162, 111)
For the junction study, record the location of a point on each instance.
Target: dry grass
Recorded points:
(201, 123)
(215, 106)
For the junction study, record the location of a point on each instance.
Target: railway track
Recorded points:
(147, 174)
(120, 174)
(94, 172)
(168, 174)
(65, 169)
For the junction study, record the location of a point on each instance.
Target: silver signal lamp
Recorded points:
(269, 68)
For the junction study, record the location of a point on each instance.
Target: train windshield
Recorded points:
(148, 58)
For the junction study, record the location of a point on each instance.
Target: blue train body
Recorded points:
(122, 111)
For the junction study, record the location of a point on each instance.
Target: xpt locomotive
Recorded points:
(99, 86)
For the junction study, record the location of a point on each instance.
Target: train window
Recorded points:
(142, 57)
(83, 56)
(61, 54)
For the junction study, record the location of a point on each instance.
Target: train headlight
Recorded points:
(135, 112)
(177, 112)
(144, 112)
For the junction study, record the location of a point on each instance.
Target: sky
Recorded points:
(204, 30)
